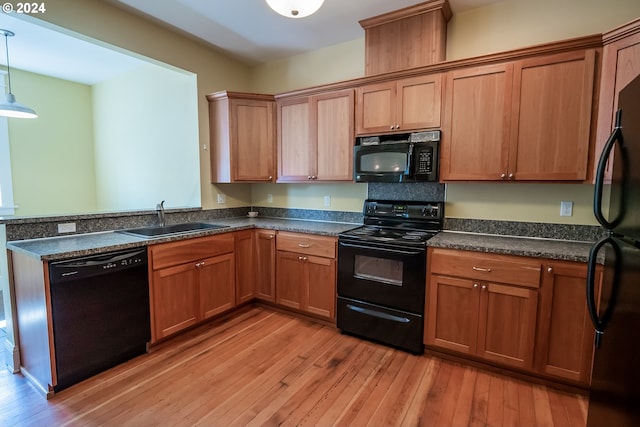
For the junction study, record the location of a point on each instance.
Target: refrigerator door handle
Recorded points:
(600, 322)
(615, 137)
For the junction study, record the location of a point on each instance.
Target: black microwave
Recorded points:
(397, 158)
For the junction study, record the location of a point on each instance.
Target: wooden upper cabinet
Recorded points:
(526, 120)
(296, 156)
(475, 136)
(414, 36)
(242, 137)
(620, 65)
(316, 137)
(551, 117)
(334, 134)
(399, 106)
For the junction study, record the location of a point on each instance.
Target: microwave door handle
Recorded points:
(408, 167)
(616, 136)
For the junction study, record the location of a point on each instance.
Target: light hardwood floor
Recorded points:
(262, 367)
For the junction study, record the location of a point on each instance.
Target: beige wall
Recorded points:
(506, 25)
(215, 71)
(502, 26)
(52, 156)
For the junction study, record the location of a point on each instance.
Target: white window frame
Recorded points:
(6, 184)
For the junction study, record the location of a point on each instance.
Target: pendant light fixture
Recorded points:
(11, 108)
(295, 8)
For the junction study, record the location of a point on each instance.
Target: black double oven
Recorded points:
(382, 272)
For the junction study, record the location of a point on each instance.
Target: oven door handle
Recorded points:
(378, 314)
(397, 251)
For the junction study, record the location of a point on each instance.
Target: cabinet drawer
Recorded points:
(307, 244)
(515, 270)
(189, 250)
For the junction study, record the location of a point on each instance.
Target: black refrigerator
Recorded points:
(614, 398)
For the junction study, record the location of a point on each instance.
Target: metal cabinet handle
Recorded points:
(397, 126)
(304, 245)
(484, 270)
(270, 177)
(550, 270)
(510, 176)
(271, 236)
(391, 127)
(199, 264)
(302, 258)
(484, 287)
(475, 286)
(503, 176)
(308, 176)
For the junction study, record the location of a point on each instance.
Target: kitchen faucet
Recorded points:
(160, 210)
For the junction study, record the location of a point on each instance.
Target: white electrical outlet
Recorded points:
(67, 227)
(269, 198)
(222, 199)
(566, 208)
(327, 200)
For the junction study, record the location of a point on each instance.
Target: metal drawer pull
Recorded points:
(199, 264)
(484, 270)
(378, 314)
(304, 245)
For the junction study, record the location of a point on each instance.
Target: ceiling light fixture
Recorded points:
(295, 8)
(11, 108)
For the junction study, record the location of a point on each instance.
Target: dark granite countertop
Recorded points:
(56, 248)
(524, 246)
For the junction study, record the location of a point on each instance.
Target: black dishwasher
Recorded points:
(100, 312)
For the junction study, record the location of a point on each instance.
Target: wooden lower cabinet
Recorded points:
(511, 311)
(265, 264)
(493, 321)
(192, 280)
(564, 346)
(245, 266)
(175, 299)
(305, 281)
(216, 279)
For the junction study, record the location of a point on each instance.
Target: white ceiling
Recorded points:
(252, 32)
(246, 29)
(44, 49)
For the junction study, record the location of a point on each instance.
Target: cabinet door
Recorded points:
(475, 135)
(332, 124)
(452, 314)
(620, 65)
(265, 264)
(321, 286)
(551, 116)
(252, 140)
(290, 279)
(564, 346)
(245, 266)
(507, 324)
(376, 108)
(175, 299)
(217, 285)
(296, 151)
(418, 102)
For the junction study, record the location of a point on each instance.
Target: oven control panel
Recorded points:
(410, 210)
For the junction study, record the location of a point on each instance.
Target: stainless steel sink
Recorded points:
(167, 230)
